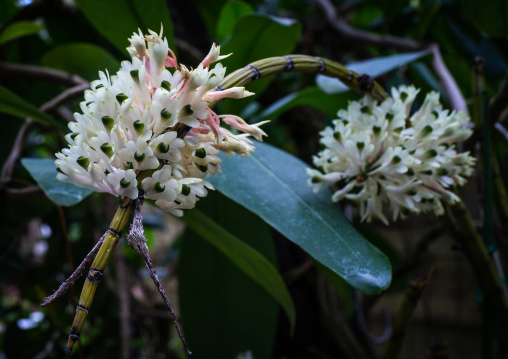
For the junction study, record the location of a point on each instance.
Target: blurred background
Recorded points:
(225, 314)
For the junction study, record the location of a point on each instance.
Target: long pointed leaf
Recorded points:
(272, 184)
(249, 260)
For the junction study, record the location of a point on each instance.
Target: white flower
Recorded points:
(124, 183)
(379, 153)
(129, 124)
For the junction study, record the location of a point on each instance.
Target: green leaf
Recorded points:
(116, 20)
(256, 37)
(310, 96)
(489, 16)
(14, 105)
(43, 171)
(229, 14)
(373, 67)
(250, 261)
(240, 314)
(273, 185)
(19, 29)
(83, 59)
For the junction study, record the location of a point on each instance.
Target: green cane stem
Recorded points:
(118, 224)
(403, 318)
(256, 70)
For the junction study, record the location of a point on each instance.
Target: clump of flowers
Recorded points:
(150, 127)
(380, 153)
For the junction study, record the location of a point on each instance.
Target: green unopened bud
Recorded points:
(83, 162)
(316, 179)
(162, 147)
(135, 75)
(338, 136)
(159, 188)
(108, 122)
(107, 149)
(427, 172)
(445, 145)
(427, 130)
(403, 96)
(186, 111)
(201, 153)
(411, 192)
(410, 172)
(124, 183)
(140, 157)
(360, 146)
(398, 129)
(185, 190)
(165, 114)
(442, 172)
(366, 110)
(435, 113)
(376, 130)
(202, 168)
(396, 160)
(138, 127)
(389, 117)
(346, 122)
(166, 85)
(431, 153)
(98, 87)
(121, 97)
(129, 166)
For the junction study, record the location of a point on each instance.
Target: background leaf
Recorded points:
(44, 173)
(223, 311)
(14, 105)
(19, 29)
(310, 96)
(83, 59)
(489, 16)
(228, 17)
(256, 37)
(116, 20)
(272, 184)
(250, 261)
(374, 68)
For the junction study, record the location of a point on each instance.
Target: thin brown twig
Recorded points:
(17, 147)
(449, 84)
(18, 193)
(77, 273)
(356, 35)
(8, 70)
(137, 240)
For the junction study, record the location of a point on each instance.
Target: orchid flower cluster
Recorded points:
(150, 127)
(380, 153)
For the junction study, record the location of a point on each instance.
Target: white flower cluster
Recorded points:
(150, 127)
(380, 153)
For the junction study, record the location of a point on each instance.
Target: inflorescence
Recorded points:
(380, 153)
(126, 138)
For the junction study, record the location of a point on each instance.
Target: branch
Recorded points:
(451, 88)
(355, 35)
(17, 147)
(8, 70)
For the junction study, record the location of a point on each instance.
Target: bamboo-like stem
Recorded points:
(484, 270)
(406, 309)
(256, 70)
(118, 224)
